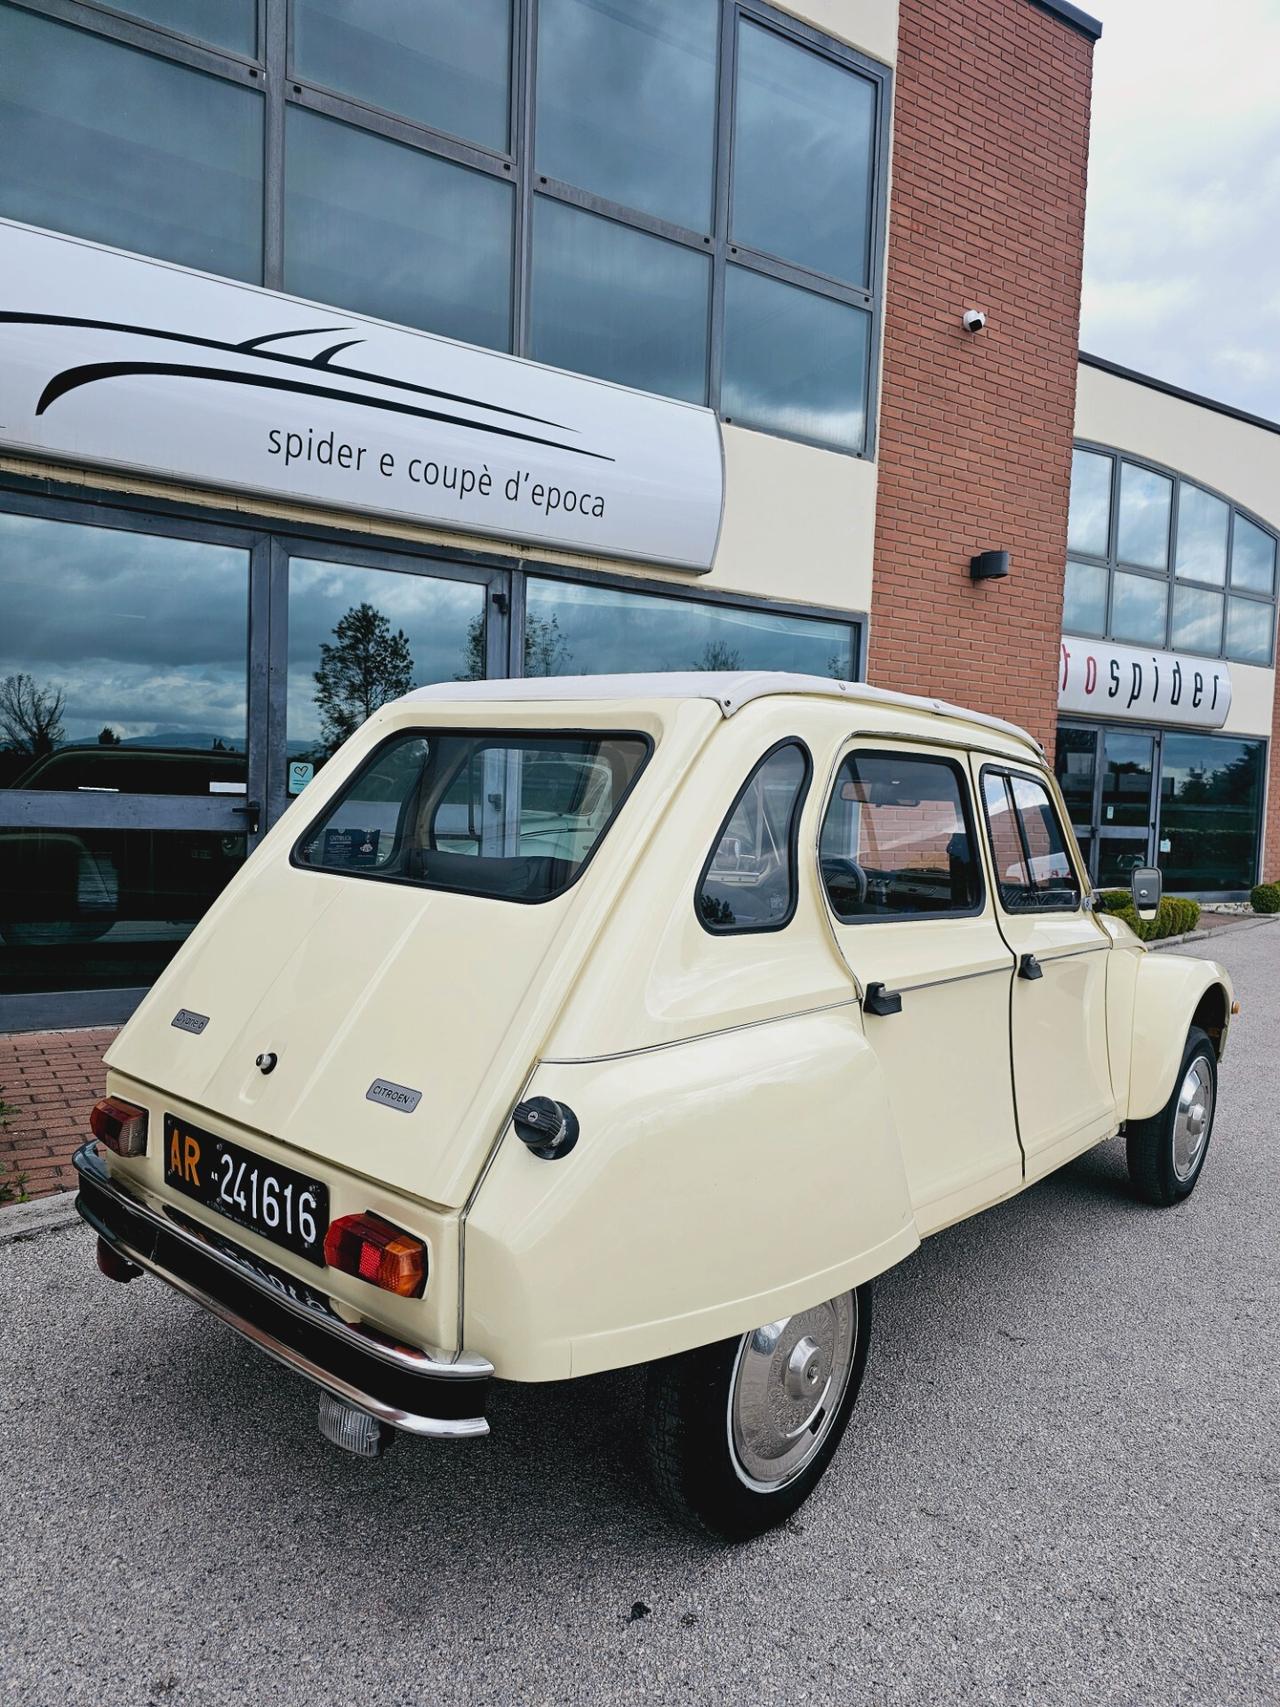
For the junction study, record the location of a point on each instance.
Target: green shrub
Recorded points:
(1265, 898)
(1114, 901)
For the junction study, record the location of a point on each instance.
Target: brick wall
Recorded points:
(991, 131)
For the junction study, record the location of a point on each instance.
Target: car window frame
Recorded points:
(1083, 888)
(961, 770)
(793, 843)
(428, 732)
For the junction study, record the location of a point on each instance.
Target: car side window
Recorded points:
(898, 841)
(1033, 867)
(749, 882)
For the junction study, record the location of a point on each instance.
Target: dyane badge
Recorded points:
(393, 1096)
(185, 1020)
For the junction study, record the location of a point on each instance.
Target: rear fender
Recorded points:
(1173, 992)
(717, 1185)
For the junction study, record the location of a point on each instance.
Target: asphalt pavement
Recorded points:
(1062, 1485)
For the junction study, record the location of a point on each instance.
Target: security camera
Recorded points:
(974, 320)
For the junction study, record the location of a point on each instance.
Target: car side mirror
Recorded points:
(1147, 886)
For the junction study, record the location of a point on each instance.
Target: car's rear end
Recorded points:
(302, 1108)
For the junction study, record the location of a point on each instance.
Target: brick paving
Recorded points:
(50, 1080)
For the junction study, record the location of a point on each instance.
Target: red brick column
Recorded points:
(991, 131)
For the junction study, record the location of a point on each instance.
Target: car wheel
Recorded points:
(738, 1434)
(1166, 1153)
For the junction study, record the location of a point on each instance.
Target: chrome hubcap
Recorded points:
(1193, 1118)
(788, 1380)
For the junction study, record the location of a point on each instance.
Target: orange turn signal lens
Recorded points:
(121, 1126)
(374, 1250)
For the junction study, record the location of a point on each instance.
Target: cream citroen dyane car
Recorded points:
(564, 1025)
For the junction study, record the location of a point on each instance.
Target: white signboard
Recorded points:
(1100, 679)
(111, 359)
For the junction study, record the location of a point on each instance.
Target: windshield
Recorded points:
(510, 816)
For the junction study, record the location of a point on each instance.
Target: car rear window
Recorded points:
(509, 816)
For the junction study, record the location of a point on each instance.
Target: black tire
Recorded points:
(1166, 1157)
(693, 1463)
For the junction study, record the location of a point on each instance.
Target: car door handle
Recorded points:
(1030, 967)
(877, 1000)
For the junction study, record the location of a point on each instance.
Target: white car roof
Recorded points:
(730, 690)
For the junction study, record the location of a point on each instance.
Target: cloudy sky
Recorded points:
(1182, 252)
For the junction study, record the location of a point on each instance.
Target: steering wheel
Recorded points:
(846, 874)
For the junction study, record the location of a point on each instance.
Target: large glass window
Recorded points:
(1186, 570)
(395, 232)
(897, 839)
(128, 148)
(619, 302)
(750, 880)
(439, 62)
(123, 660)
(513, 817)
(627, 102)
(360, 637)
(685, 196)
(1210, 795)
(576, 628)
(804, 142)
(788, 359)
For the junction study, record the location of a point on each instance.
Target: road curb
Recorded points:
(25, 1220)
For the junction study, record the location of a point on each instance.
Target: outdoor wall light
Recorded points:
(989, 566)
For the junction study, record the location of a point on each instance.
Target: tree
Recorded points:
(108, 738)
(368, 665)
(546, 651)
(30, 716)
(718, 655)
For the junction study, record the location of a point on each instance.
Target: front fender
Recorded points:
(717, 1184)
(1173, 992)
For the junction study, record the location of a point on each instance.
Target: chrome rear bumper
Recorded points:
(440, 1396)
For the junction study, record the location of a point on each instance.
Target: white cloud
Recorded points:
(1183, 233)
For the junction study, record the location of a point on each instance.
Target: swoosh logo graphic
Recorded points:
(90, 373)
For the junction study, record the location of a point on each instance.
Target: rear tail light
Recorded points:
(121, 1126)
(374, 1250)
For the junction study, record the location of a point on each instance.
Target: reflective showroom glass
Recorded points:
(1201, 553)
(443, 63)
(573, 628)
(138, 643)
(232, 24)
(1197, 620)
(615, 302)
(1249, 631)
(1084, 604)
(1143, 530)
(391, 231)
(1253, 557)
(123, 670)
(1210, 792)
(804, 148)
(1089, 526)
(1138, 607)
(359, 637)
(88, 908)
(626, 102)
(108, 143)
(794, 363)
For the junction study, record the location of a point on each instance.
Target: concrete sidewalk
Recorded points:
(49, 1080)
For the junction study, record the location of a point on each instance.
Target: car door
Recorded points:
(1061, 1065)
(900, 863)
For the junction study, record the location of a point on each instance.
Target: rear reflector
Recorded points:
(120, 1125)
(374, 1250)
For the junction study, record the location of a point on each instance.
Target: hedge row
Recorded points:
(1265, 898)
(1178, 914)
